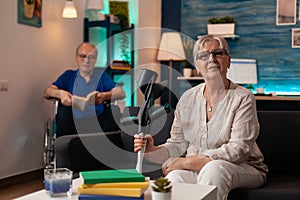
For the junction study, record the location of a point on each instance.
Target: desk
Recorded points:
(192, 78)
(180, 191)
(277, 98)
(277, 103)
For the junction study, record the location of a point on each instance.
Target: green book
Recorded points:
(111, 176)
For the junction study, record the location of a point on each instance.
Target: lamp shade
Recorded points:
(95, 5)
(171, 47)
(69, 10)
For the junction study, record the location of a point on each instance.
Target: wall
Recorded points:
(260, 38)
(146, 15)
(31, 58)
(171, 15)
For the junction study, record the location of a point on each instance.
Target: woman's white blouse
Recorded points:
(229, 135)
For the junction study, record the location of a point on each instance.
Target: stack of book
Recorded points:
(120, 65)
(125, 184)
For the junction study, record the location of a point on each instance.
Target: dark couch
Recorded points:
(110, 150)
(278, 140)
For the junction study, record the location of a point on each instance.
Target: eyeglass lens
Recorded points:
(204, 55)
(83, 56)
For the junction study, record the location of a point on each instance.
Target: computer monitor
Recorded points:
(243, 71)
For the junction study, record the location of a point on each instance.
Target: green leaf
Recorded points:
(221, 20)
(162, 184)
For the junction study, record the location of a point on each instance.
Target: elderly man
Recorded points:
(81, 82)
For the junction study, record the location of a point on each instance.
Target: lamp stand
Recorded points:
(170, 81)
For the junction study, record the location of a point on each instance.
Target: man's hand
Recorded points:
(100, 97)
(53, 92)
(65, 97)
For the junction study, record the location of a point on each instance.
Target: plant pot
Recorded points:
(161, 195)
(221, 29)
(187, 72)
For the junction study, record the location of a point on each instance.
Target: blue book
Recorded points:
(104, 197)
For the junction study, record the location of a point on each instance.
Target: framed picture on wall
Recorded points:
(30, 12)
(296, 37)
(299, 12)
(286, 12)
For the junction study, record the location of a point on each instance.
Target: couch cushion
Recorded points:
(278, 187)
(279, 140)
(86, 151)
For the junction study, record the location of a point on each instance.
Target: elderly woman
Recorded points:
(214, 131)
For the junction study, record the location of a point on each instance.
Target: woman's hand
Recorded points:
(172, 164)
(193, 163)
(156, 154)
(140, 142)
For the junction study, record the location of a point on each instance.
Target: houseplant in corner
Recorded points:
(161, 189)
(120, 9)
(221, 26)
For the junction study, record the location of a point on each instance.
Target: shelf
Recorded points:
(277, 98)
(104, 23)
(112, 29)
(233, 37)
(189, 78)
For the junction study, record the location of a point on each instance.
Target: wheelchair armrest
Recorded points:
(56, 102)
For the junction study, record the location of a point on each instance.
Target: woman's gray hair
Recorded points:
(199, 45)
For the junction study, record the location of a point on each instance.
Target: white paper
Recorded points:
(243, 71)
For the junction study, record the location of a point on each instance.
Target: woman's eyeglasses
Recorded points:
(217, 53)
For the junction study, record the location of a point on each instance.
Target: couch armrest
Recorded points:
(81, 152)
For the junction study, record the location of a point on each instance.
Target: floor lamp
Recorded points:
(171, 49)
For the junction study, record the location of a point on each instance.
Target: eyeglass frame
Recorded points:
(84, 56)
(211, 52)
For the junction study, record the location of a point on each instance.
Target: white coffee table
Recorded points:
(180, 191)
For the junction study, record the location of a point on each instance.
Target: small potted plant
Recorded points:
(221, 26)
(161, 189)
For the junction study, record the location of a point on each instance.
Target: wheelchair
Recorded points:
(62, 123)
(50, 135)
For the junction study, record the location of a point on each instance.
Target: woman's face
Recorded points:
(212, 60)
